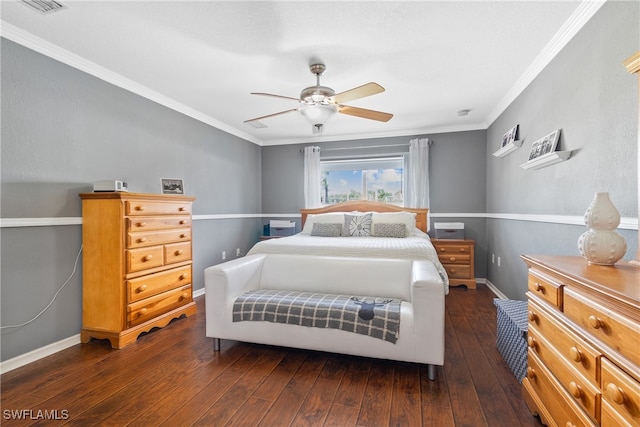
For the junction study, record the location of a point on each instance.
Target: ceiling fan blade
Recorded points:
(357, 93)
(270, 115)
(274, 96)
(364, 113)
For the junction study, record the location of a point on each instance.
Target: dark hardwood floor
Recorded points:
(172, 377)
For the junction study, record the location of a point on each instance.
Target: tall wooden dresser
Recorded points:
(136, 270)
(583, 342)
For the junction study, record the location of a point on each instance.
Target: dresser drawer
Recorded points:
(457, 271)
(144, 258)
(580, 355)
(151, 238)
(141, 207)
(153, 284)
(176, 252)
(562, 408)
(148, 308)
(621, 391)
(585, 393)
(144, 223)
(546, 288)
(618, 332)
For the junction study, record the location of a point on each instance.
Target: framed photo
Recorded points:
(511, 136)
(545, 145)
(172, 186)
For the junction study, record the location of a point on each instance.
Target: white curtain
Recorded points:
(418, 181)
(312, 177)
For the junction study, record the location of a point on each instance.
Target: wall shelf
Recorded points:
(512, 146)
(547, 160)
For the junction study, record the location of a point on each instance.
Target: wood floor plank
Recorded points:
(172, 377)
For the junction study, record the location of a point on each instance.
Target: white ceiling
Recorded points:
(203, 58)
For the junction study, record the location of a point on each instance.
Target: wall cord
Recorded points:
(75, 267)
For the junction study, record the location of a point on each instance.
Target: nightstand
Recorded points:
(457, 258)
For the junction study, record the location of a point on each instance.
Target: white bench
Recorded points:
(416, 283)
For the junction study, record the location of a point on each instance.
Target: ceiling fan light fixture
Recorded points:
(318, 114)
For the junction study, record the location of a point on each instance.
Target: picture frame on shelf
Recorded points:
(545, 145)
(511, 135)
(172, 186)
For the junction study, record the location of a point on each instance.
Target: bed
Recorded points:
(414, 244)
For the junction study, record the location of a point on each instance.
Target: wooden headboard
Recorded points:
(368, 206)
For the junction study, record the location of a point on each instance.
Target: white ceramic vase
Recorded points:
(601, 244)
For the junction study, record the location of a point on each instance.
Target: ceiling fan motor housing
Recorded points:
(316, 95)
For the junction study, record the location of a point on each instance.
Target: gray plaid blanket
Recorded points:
(318, 310)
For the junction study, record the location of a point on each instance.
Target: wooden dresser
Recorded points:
(583, 342)
(136, 270)
(457, 257)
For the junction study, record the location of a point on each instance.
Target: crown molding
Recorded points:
(44, 47)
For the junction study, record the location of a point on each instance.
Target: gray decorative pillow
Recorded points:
(390, 230)
(357, 225)
(326, 229)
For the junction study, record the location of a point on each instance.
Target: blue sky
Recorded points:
(344, 181)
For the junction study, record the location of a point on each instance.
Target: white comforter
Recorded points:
(417, 246)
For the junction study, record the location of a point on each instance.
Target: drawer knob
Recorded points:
(142, 312)
(531, 373)
(576, 354)
(147, 258)
(184, 296)
(452, 270)
(140, 208)
(142, 239)
(181, 208)
(532, 316)
(531, 342)
(141, 288)
(178, 252)
(616, 394)
(575, 390)
(594, 322)
(461, 249)
(141, 224)
(183, 222)
(452, 259)
(182, 236)
(443, 249)
(570, 424)
(538, 287)
(182, 277)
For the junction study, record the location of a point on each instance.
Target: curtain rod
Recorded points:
(364, 146)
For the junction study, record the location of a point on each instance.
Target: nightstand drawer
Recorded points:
(454, 259)
(453, 249)
(457, 271)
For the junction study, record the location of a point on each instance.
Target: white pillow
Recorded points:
(326, 218)
(406, 218)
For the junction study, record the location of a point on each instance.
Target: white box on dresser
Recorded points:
(584, 342)
(136, 264)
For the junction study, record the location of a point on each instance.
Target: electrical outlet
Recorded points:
(224, 255)
(498, 261)
(238, 252)
(493, 258)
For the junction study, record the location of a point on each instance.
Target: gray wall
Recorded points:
(62, 130)
(457, 184)
(587, 92)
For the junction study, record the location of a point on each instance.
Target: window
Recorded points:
(377, 179)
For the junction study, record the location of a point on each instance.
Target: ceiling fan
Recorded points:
(318, 103)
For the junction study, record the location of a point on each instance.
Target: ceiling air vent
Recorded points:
(44, 6)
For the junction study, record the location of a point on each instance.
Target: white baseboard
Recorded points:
(493, 288)
(198, 292)
(32, 356)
